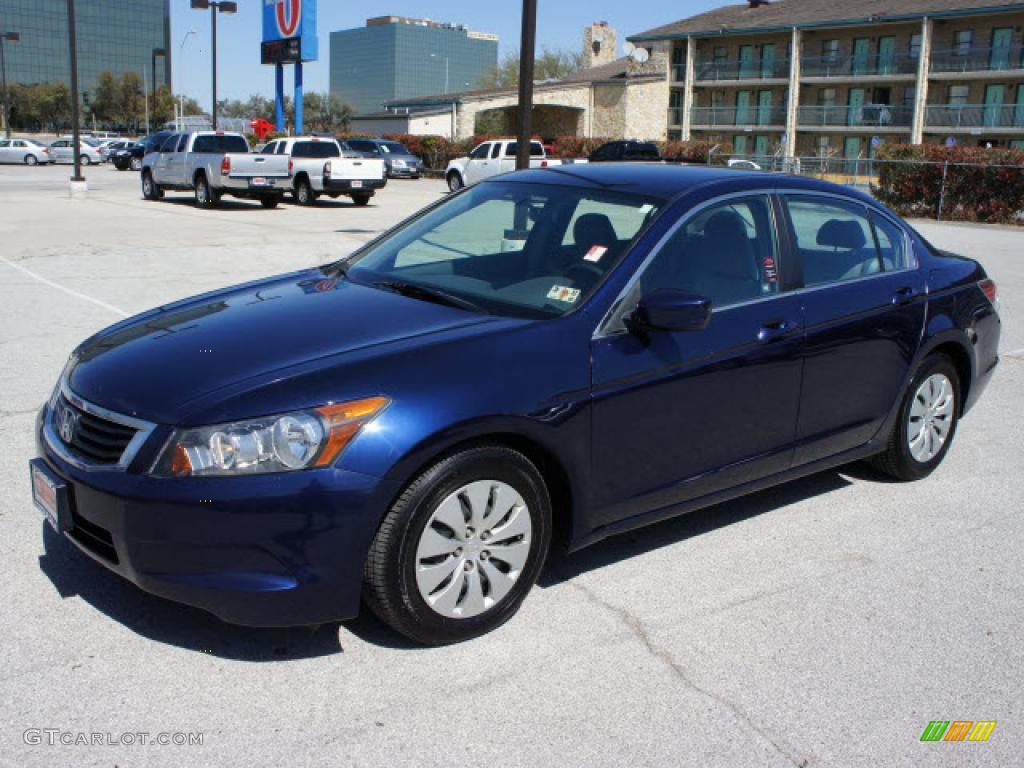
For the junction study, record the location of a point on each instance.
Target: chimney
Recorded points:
(599, 45)
(758, 3)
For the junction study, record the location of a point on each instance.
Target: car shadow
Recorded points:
(75, 574)
(224, 205)
(562, 567)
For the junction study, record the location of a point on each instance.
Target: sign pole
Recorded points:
(298, 99)
(279, 96)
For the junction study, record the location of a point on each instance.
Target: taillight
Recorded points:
(543, 163)
(225, 166)
(988, 287)
(327, 169)
(291, 165)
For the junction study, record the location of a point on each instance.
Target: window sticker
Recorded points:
(564, 293)
(770, 272)
(595, 253)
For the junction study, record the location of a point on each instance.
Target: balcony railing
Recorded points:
(857, 65)
(978, 59)
(726, 116)
(678, 73)
(873, 115)
(745, 69)
(975, 116)
(675, 116)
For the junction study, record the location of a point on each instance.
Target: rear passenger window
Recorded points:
(834, 238)
(727, 252)
(891, 243)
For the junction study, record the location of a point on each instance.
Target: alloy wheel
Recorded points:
(473, 549)
(931, 417)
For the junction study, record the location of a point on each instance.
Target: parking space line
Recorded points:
(60, 287)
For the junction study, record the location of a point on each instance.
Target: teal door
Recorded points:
(739, 144)
(861, 55)
(851, 151)
(994, 97)
(855, 104)
(747, 61)
(761, 146)
(743, 108)
(768, 60)
(764, 108)
(1002, 38)
(1018, 109)
(886, 55)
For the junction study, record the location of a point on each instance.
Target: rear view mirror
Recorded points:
(672, 311)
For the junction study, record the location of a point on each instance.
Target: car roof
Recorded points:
(672, 180)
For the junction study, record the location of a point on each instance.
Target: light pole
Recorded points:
(434, 56)
(215, 6)
(527, 52)
(12, 37)
(76, 129)
(181, 78)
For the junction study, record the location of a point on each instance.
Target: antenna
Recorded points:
(641, 55)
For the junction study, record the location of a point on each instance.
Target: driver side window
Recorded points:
(727, 252)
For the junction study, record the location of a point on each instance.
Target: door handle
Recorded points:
(774, 330)
(904, 295)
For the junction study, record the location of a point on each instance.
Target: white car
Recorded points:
(61, 151)
(26, 151)
(490, 159)
(319, 166)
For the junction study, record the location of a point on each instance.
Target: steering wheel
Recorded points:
(584, 272)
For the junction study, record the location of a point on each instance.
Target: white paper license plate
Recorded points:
(357, 185)
(44, 494)
(259, 181)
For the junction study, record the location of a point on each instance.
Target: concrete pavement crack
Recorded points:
(639, 632)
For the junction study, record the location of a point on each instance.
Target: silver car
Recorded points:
(24, 151)
(61, 152)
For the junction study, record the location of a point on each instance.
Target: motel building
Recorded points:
(820, 78)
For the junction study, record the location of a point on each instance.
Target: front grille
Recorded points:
(93, 438)
(93, 538)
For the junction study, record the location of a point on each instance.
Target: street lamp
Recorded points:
(12, 37)
(215, 6)
(181, 76)
(434, 56)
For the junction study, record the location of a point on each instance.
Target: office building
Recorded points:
(394, 57)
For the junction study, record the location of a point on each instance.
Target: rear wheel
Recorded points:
(304, 192)
(136, 163)
(31, 160)
(150, 189)
(455, 182)
(460, 549)
(927, 423)
(84, 159)
(205, 196)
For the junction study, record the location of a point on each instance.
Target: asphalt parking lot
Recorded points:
(822, 623)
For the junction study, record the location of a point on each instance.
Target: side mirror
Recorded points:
(672, 311)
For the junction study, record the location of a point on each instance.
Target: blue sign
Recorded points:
(289, 19)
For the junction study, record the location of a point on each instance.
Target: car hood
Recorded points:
(153, 365)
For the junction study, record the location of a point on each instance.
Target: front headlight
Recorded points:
(283, 443)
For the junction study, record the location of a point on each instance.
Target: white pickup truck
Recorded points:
(490, 159)
(319, 166)
(211, 164)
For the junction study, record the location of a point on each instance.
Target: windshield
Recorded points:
(526, 250)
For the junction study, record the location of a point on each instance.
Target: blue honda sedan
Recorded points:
(557, 355)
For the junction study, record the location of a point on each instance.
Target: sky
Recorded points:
(560, 24)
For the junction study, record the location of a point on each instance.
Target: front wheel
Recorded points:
(460, 549)
(455, 182)
(927, 422)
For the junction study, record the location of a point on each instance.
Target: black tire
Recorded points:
(455, 182)
(361, 200)
(150, 189)
(136, 164)
(897, 460)
(31, 160)
(206, 198)
(270, 201)
(390, 588)
(304, 194)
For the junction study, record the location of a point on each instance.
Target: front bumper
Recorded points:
(272, 550)
(344, 186)
(406, 171)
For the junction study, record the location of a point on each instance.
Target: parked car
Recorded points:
(626, 151)
(491, 159)
(743, 164)
(62, 151)
(211, 164)
(128, 156)
(319, 167)
(113, 146)
(583, 350)
(398, 160)
(24, 151)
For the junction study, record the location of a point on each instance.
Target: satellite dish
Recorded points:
(599, 37)
(628, 48)
(641, 55)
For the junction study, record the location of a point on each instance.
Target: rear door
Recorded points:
(863, 306)
(681, 415)
(6, 153)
